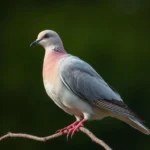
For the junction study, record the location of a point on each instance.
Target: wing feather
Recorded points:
(85, 82)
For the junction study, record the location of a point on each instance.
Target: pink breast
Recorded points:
(51, 64)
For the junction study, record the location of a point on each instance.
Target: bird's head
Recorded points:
(49, 40)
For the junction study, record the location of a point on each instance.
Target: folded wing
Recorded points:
(85, 82)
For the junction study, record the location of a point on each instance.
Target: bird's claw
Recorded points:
(73, 125)
(69, 133)
(72, 131)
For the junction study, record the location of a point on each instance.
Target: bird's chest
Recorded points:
(52, 83)
(53, 91)
(51, 78)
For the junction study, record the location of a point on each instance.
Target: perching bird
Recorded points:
(78, 89)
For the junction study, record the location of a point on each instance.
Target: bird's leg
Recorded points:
(71, 126)
(76, 128)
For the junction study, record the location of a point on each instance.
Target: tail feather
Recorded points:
(138, 125)
(122, 112)
(135, 123)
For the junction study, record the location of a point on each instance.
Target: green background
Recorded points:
(113, 36)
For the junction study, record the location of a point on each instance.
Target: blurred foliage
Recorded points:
(113, 36)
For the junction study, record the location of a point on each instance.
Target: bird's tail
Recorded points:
(121, 111)
(136, 124)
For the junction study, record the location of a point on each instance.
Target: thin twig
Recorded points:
(44, 139)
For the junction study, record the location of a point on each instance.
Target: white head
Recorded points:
(50, 40)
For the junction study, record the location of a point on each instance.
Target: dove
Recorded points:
(75, 87)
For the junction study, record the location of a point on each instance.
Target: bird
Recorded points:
(77, 88)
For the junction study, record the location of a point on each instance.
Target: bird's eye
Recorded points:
(46, 36)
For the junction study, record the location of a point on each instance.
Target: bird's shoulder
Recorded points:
(72, 63)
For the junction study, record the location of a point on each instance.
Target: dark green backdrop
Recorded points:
(114, 37)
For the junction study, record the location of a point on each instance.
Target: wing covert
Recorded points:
(84, 81)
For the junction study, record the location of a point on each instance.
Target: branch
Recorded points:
(44, 139)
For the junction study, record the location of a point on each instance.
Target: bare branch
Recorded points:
(94, 138)
(44, 139)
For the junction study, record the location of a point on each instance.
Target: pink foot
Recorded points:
(73, 130)
(69, 127)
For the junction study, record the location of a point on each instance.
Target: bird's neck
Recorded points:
(55, 47)
(51, 63)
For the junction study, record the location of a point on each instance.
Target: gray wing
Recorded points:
(85, 82)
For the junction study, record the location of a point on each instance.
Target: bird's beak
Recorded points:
(35, 42)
